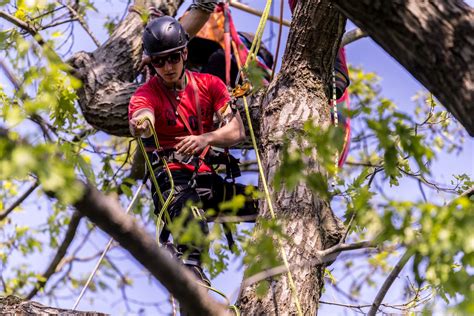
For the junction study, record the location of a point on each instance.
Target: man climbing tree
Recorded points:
(295, 105)
(180, 106)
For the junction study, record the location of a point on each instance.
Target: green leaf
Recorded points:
(126, 190)
(86, 168)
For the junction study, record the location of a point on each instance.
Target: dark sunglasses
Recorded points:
(160, 61)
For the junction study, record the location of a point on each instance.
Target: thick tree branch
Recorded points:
(52, 268)
(19, 200)
(105, 213)
(298, 95)
(433, 40)
(12, 305)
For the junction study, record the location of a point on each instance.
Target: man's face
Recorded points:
(170, 66)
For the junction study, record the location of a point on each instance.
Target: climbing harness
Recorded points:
(107, 247)
(241, 91)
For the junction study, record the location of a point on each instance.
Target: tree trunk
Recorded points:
(433, 40)
(299, 94)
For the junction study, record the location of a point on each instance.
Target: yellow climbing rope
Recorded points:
(164, 209)
(251, 56)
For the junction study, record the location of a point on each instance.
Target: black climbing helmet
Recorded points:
(163, 35)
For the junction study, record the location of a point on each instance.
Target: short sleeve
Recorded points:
(219, 93)
(141, 99)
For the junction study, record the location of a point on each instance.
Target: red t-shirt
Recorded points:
(153, 95)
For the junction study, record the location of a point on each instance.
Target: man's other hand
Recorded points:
(191, 145)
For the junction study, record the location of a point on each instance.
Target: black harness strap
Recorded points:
(208, 156)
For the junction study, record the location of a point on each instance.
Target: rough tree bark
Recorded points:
(433, 40)
(13, 305)
(297, 95)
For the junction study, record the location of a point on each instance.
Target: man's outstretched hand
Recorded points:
(140, 127)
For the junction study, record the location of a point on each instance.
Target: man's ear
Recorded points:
(185, 54)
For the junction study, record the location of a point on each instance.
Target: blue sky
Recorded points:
(398, 85)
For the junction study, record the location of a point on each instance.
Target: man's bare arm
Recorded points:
(228, 135)
(231, 132)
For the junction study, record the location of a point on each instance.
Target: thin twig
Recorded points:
(19, 201)
(389, 281)
(423, 180)
(83, 23)
(322, 256)
(352, 36)
(401, 307)
(9, 73)
(58, 23)
(68, 238)
(420, 185)
(343, 240)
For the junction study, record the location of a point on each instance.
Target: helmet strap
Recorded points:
(184, 66)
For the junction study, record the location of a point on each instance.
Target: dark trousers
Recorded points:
(210, 190)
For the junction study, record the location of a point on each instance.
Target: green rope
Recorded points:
(252, 53)
(164, 209)
(232, 307)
